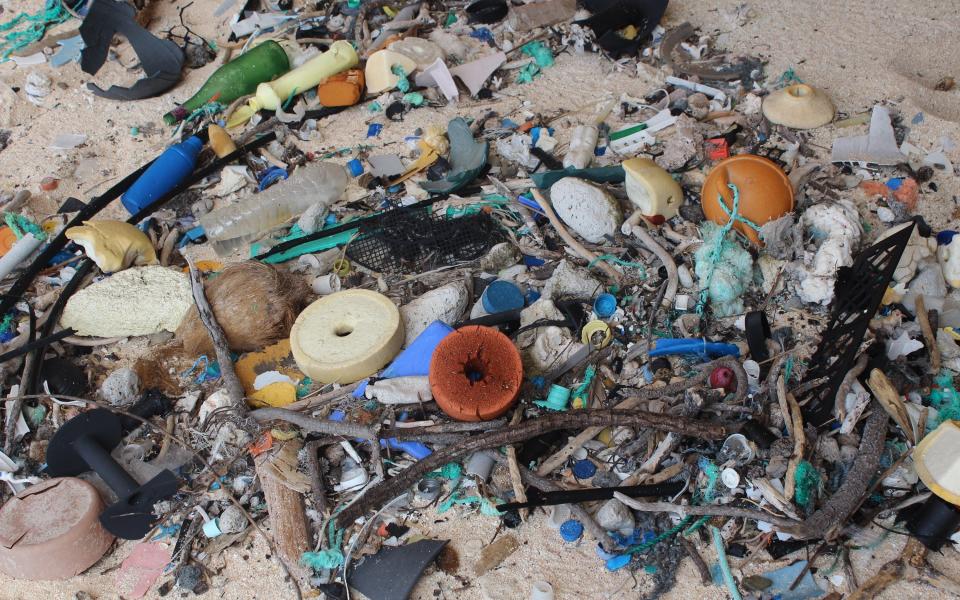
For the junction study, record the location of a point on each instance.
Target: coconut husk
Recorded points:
(255, 303)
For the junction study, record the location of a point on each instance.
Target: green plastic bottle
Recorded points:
(236, 78)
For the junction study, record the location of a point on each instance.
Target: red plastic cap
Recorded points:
(475, 374)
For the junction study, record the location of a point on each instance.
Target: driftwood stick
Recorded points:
(288, 519)
(516, 480)
(231, 382)
(928, 336)
(847, 498)
(647, 393)
(302, 421)
(575, 420)
(708, 510)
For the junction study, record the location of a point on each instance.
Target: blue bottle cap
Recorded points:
(355, 167)
(501, 296)
(584, 469)
(605, 305)
(571, 530)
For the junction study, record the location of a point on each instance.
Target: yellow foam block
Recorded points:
(346, 336)
(277, 395)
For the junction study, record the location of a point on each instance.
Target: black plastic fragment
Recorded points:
(391, 573)
(161, 60)
(858, 292)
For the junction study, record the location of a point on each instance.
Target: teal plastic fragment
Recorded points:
(612, 174)
(467, 159)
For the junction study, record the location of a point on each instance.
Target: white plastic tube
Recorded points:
(24, 247)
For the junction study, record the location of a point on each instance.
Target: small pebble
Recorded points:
(189, 577)
(232, 520)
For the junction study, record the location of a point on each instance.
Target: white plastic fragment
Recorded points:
(878, 147)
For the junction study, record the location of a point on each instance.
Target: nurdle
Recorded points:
(84, 443)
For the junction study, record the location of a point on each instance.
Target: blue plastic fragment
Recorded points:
(374, 129)
(618, 562)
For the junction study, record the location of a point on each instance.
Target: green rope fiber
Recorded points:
(613, 259)
(17, 37)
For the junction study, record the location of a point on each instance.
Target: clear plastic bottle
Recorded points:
(231, 227)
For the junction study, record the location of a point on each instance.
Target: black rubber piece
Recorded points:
(535, 497)
(83, 444)
(933, 522)
(758, 332)
(391, 573)
(487, 11)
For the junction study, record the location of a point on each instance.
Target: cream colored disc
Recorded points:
(346, 336)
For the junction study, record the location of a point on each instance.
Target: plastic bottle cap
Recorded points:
(571, 530)
(584, 469)
(355, 167)
(501, 296)
(730, 478)
(605, 305)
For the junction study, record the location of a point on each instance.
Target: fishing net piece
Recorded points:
(414, 241)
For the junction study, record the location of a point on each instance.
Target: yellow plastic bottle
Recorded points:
(271, 95)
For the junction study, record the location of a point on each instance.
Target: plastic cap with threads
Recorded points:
(571, 530)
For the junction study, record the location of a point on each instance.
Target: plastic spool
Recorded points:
(52, 530)
(501, 296)
(475, 374)
(593, 327)
(346, 336)
(558, 398)
(479, 465)
(542, 590)
(605, 305)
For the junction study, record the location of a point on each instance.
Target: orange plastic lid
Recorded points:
(766, 193)
(475, 374)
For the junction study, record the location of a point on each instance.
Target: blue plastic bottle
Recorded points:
(173, 166)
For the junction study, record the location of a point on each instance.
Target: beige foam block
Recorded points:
(651, 188)
(346, 336)
(378, 71)
(136, 301)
